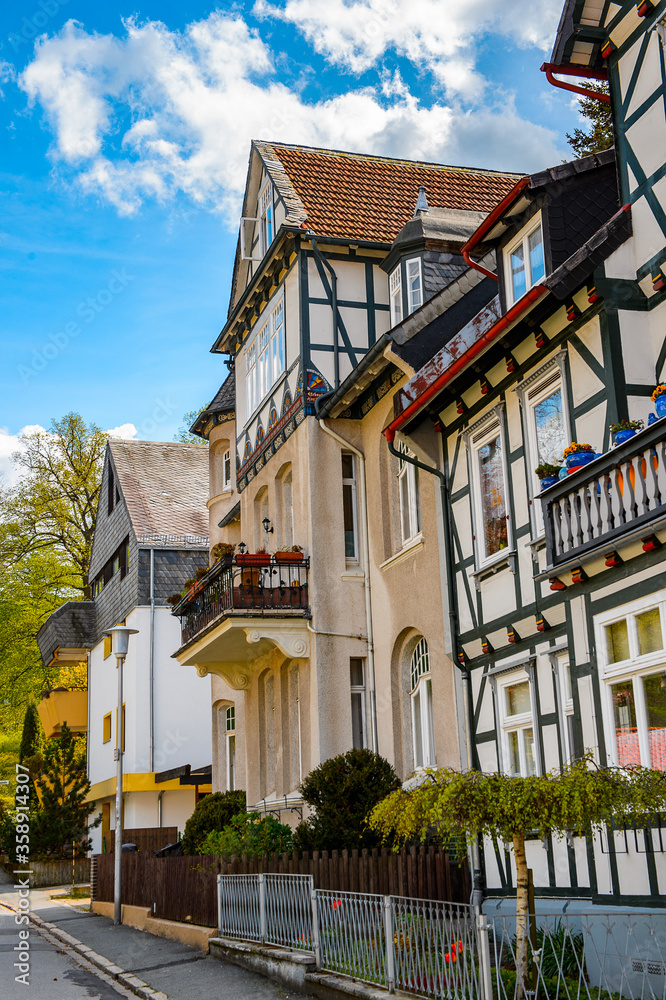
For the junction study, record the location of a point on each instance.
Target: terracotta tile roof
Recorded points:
(355, 196)
(165, 486)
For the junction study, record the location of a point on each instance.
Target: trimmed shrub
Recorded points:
(212, 813)
(249, 833)
(343, 792)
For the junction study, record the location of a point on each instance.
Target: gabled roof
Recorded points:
(370, 198)
(165, 487)
(224, 401)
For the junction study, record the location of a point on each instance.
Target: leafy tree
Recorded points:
(599, 133)
(578, 799)
(249, 833)
(9, 755)
(183, 433)
(54, 504)
(342, 792)
(214, 812)
(29, 591)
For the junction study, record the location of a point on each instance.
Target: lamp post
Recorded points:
(119, 642)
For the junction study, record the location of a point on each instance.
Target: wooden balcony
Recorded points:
(620, 493)
(276, 588)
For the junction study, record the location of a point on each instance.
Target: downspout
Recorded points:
(88, 725)
(159, 808)
(152, 664)
(366, 579)
(579, 71)
(334, 305)
(477, 889)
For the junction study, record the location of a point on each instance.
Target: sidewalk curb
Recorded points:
(126, 979)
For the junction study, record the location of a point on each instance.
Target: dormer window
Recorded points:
(266, 226)
(524, 261)
(395, 295)
(413, 289)
(414, 285)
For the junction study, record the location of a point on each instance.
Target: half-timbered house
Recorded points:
(557, 595)
(315, 651)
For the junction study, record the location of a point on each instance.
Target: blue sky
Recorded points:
(125, 133)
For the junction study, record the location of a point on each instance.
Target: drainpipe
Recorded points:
(334, 305)
(152, 662)
(477, 890)
(577, 71)
(159, 807)
(88, 722)
(366, 579)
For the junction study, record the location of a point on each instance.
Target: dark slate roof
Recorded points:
(571, 274)
(445, 225)
(224, 401)
(71, 626)
(165, 487)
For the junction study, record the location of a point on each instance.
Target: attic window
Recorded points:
(266, 222)
(395, 294)
(524, 261)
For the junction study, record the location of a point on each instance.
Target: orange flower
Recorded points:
(659, 391)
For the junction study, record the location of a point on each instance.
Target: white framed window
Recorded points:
(349, 508)
(357, 687)
(563, 664)
(489, 488)
(266, 224)
(410, 508)
(264, 357)
(226, 469)
(414, 284)
(230, 735)
(517, 725)
(524, 263)
(548, 428)
(632, 662)
(395, 295)
(423, 730)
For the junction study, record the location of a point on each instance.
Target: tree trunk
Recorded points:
(523, 979)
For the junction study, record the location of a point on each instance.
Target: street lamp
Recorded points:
(119, 642)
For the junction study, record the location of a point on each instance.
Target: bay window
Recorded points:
(395, 295)
(414, 285)
(264, 357)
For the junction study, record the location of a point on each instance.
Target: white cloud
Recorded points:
(10, 443)
(157, 112)
(125, 432)
(440, 37)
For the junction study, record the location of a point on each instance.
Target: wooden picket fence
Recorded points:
(184, 888)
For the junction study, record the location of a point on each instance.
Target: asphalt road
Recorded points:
(183, 973)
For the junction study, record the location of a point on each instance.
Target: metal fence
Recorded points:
(271, 909)
(419, 946)
(596, 956)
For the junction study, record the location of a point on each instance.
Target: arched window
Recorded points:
(421, 696)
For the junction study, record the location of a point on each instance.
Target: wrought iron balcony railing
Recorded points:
(246, 585)
(619, 492)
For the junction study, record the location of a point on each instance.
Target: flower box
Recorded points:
(254, 559)
(289, 557)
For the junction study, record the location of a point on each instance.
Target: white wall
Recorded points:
(182, 717)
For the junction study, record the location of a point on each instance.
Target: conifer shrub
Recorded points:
(343, 791)
(213, 813)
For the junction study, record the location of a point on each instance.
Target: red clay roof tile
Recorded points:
(355, 196)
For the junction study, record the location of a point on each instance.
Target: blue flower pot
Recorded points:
(548, 481)
(660, 405)
(622, 436)
(580, 458)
